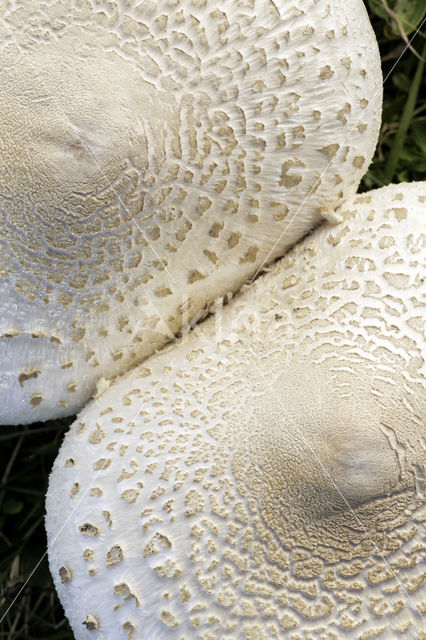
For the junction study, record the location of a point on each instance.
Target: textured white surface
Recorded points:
(152, 157)
(264, 477)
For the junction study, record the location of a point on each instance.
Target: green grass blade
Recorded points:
(406, 118)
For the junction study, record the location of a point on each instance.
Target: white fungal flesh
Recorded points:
(264, 477)
(153, 156)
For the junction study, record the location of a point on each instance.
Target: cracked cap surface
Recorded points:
(264, 478)
(153, 157)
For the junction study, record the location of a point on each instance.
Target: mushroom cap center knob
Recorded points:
(70, 124)
(326, 449)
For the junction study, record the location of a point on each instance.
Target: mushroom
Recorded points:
(263, 477)
(155, 156)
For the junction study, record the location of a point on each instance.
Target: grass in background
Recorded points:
(27, 453)
(26, 457)
(401, 151)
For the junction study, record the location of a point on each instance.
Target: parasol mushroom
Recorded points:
(263, 478)
(154, 156)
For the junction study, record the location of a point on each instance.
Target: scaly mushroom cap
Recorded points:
(264, 478)
(153, 156)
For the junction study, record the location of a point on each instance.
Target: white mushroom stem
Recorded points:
(263, 478)
(154, 155)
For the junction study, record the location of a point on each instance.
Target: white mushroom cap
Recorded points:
(153, 157)
(264, 478)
